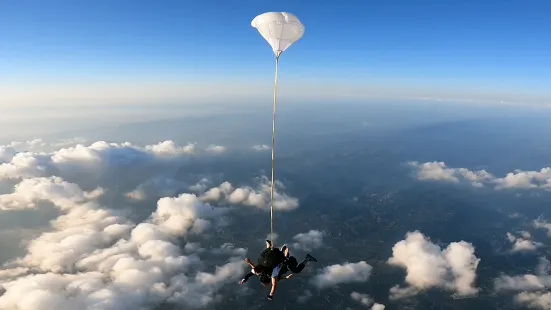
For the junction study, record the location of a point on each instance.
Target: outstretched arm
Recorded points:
(249, 262)
(246, 277)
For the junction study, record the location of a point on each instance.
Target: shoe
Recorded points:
(283, 247)
(311, 258)
(268, 243)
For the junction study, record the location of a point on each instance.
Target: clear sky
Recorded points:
(486, 48)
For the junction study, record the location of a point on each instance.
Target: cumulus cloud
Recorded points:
(97, 158)
(377, 306)
(540, 300)
(308, 241)
(36, 145)
(427, 265)
(260, 148)
(523, 243)
(526, 179)
(200, 186)
(361, 298)
(532, 288)
(438, 171)
(342, 273)
(94, 256)
(215, 149)
(366, 301)
(101, 160)
(259, 198)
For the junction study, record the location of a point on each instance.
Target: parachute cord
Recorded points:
(273, 149)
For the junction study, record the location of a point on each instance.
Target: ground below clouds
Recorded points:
(124, 226)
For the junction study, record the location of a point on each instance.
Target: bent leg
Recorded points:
(294, 266)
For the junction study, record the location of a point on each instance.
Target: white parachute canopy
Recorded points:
(280, 29)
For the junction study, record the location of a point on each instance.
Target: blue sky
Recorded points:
(494, 46)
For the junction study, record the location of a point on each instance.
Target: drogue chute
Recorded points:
(280, 30)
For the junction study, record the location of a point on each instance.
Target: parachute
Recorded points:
(280, 30)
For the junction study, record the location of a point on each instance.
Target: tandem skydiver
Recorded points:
(273, 263)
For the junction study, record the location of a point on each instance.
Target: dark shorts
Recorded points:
(277, 269)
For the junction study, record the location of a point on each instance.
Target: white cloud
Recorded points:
(308, 241)
(363, 299)
(29, 191)
(260, 148)
(35, 146)
(216, 193)
(259, 198)
(342, 273)
(540, 300)
(453, 268)
(95, 257)
(438, 171)
(541, 279)
(523, 243)
(366, 300)
(215, 149)
(101, 160)
(526, 179)
(533, 287)
(377, 306)
(93, 252)
(96, 159)
(200, 186)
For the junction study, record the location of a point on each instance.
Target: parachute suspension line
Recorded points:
(273, 149)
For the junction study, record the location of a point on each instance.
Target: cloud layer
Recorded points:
(95, 256)
(97, 259)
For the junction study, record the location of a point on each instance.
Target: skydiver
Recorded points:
(269, 263)
(273, 257)
(289, 263)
